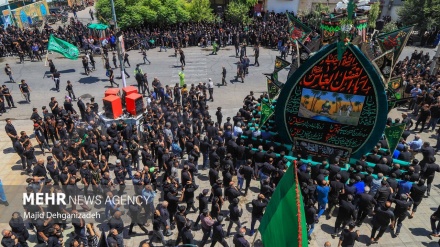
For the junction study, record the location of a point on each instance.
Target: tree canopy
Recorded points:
(132, 13)
(425, 14)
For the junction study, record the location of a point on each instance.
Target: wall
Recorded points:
(23, 16)
(282, 5)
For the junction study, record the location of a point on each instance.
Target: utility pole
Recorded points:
(118, 46)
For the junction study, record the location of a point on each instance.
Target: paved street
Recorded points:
(200, 66)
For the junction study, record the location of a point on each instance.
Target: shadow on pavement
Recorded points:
(327, 228)
(89, 80)
(419, 231)
(8, 150)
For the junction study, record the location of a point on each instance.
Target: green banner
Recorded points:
(280, 64)
(393, 134)
(283, 223)
(394, 40)
(63, 47)
(266, 112)
(272, 89)
(297, 30)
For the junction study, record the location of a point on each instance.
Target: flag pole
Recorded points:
(47, 57)
(297, 53)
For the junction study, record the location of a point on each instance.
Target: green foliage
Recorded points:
(200, 10)
(373, 14)
(237, 12)
(421, 13)
(132, 13)
(315, 16)
(389, 27)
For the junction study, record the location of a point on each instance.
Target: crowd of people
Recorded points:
(161, 159)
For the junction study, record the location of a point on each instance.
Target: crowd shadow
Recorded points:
(89, 80)
(419, 231)
(327, 228)
(8, 150)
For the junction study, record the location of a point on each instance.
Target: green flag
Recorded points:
(297, 30)
(274, 77)
(383, 64)
(393, 134)
(280, 64)
(283, 223)
(266, 112)
(272, 89)
(394, 40)
(63, 47)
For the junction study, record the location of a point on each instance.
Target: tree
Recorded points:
(349, 97)
(315, 95)
(132, 13)
(200, 10)
(237, 12)
(419, 13)
(373, 14)
(389, 27)
(314, 17)
(357, 103)
(306, 97)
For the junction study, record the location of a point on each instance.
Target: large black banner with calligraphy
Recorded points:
(339, 103)
(322, 150)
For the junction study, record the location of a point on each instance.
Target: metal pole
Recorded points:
(118, 47)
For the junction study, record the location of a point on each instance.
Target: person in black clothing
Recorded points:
(56, 79)
(180, 218)
(311, 217)
(424, 115)
(428, 172)
(400, 211)
(203, 204)
(235, 212)
(219, 115)
(365, 203)
(348, 236)
(19, 229)
(434, 218)
(8, 97)
(25, 90)
(248, 173)
(190, 188)
(336, 188)
(346, 214)
(187, 236)
(134, 208)
(159, 224)
(383, 217)
(10, 131)
(53, 240)
(416, 193)
(69, 89)
(373, 157)
(9, 239)
(218, 234)
(258, 207)
(224, 83)
(239, 240)
(20, 151)
(82, 108)
(39, 170)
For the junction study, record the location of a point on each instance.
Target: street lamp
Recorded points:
(119, 45)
